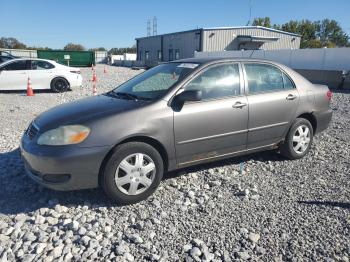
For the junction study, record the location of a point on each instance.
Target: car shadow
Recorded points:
(263, 156)
(340, 90)
(36, 91)
(326, 203)
(19, 194)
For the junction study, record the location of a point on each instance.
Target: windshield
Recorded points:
(155, 82)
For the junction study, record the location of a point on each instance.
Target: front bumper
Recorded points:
(63, 167)
(323, 119)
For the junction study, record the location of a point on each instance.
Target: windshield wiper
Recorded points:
(131, 96)
(128, 95)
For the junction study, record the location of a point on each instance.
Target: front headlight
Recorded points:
(64, 135)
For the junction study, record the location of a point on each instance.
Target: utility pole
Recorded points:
(250, 11)
(154, 25)
(149, 27)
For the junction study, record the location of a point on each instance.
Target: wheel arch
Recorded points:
(144, 139)
(311, 118)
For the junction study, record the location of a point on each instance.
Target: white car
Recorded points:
(43, 74)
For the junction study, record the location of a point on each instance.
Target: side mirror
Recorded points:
(189, 95)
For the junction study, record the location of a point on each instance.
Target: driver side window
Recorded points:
(217, 81)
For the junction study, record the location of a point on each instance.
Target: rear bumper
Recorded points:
(323, 119)
(76, 80)
(63, 167)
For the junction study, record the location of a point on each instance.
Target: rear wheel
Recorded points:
(298, 140)
(132, 173)
(59, 85)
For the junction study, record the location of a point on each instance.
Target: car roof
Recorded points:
(31, 58)
(207, 60)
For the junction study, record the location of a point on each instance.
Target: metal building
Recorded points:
(183, 44)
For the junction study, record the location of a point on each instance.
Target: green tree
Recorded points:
(329, 31)
(122, 50)
(11, 43)
(74, 47)
(325, 33)
(98, 49)
(262, 21)
(292, 27)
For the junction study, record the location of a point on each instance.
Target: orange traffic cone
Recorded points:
(29, 88)
(105, 70)
(94, 77)
(94, 90)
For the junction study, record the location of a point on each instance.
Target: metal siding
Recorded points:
(151, 44)
(77, 58)
(187, 43)
(224, 39)
(21, 52)
(100, 56)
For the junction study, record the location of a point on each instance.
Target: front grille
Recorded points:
(32, 131)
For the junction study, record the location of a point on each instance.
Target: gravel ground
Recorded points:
(267, 209)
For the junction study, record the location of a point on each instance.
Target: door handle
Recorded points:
(239, 104)
(291, 97)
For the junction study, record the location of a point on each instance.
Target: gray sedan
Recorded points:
(172, 116)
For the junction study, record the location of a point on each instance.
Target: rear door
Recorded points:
(13, 75)
(216, 125)
(40, 73)
(273, 100)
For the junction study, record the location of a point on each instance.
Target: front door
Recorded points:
(273, 100)
(216, 125)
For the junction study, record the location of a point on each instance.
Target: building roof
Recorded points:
(225, 28)
(252, 27)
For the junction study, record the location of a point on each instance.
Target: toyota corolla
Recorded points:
(172, 116)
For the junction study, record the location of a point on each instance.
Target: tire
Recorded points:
(125, 157)
(293, 149)
(59, 85)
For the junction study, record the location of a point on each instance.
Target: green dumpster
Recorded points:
(71, 58)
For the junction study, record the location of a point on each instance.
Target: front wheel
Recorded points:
(132, 173)
(298, 140)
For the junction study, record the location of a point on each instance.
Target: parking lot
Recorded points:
(256, 207)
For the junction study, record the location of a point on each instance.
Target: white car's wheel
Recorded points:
(59, 85)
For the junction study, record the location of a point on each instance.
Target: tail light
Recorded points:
(75, 71)
(329, 95)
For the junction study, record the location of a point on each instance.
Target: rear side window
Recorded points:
(265, 78)
(16, 65)
(288, 84)
(217, 81)
(41, 65)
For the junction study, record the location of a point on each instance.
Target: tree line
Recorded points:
(13, 43)
(314, 34)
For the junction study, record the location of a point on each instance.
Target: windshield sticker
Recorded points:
(188, 65)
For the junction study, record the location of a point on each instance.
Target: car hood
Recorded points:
(82, 110)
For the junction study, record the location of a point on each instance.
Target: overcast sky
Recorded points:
(110, 23)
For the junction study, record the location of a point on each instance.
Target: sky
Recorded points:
(107, 23)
